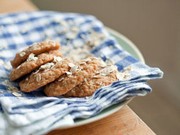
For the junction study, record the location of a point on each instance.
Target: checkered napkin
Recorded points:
(34, 113)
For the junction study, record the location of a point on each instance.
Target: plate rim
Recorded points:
(110, 112)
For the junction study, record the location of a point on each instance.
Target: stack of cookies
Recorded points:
(42, 65)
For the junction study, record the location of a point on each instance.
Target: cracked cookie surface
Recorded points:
(45, 74)
(32, 63)
(85, 69)
(89, 86)
(36, 48)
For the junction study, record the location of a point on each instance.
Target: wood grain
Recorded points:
(123, 122)
(8, 6)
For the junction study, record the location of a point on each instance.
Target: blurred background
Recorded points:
(154, 26)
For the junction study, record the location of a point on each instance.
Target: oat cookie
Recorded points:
(86, 68)
(105, 77)
(32, 63)
(36, 48)
(45, 74)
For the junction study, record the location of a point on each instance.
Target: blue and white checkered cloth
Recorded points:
(34, 113)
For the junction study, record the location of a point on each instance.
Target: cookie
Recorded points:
(45, 74)
(36, 48)
(86, 69)
(32, 63)
(105, 77)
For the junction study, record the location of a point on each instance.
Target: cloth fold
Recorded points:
(34, 113)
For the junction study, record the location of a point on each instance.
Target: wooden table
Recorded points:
(123, 122)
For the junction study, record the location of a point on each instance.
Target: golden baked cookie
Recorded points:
(89, 86)
(36, 48)
(78, 73)
(32, 63)
(45, 74)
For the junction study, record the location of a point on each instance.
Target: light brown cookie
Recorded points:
(89, 86)
(32, 63)
(86, 69)
(45, 74)
(36, 48)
